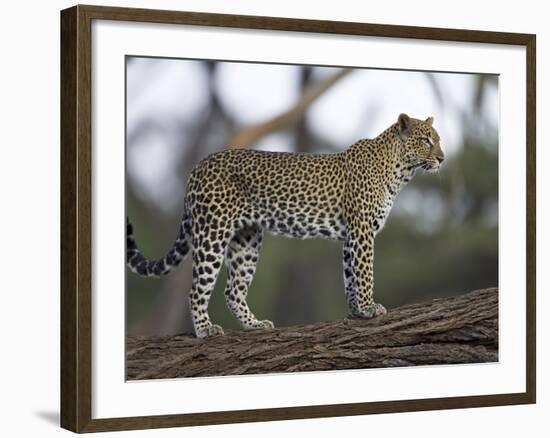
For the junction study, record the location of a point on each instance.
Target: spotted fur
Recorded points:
(235, 195)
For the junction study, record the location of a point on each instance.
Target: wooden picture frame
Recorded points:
(76, 217)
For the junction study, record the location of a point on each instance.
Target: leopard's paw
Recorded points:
(369, 312)
(261, 325)
(211, 330)
(379, 309)
(266, 324)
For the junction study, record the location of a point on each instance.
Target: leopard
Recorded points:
(234, 196)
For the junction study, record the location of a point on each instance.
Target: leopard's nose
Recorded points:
(440, 158)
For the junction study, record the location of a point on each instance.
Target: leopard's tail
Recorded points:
(155, 268)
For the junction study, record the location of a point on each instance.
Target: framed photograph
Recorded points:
(268, 218)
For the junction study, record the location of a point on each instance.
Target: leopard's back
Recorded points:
(290, 194)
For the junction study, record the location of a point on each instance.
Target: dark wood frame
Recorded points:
(76, 225)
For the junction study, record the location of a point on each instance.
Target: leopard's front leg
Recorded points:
(359, 274)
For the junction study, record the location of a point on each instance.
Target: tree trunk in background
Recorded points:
(462, 329)
(250, 135)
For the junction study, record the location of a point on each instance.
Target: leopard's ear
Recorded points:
(430, 121)
(404, 125)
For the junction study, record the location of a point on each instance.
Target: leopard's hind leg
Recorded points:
(209, 245)
(241, 257)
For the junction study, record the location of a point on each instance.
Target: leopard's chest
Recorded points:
(382, 210)
(386, 200)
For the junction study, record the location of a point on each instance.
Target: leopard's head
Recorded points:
(420, 143)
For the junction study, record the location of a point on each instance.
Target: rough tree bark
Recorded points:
(462, 329)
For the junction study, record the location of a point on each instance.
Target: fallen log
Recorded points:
(461, 329)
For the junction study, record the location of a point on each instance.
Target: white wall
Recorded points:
(29, 185)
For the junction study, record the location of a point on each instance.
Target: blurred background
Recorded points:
(441, 237)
